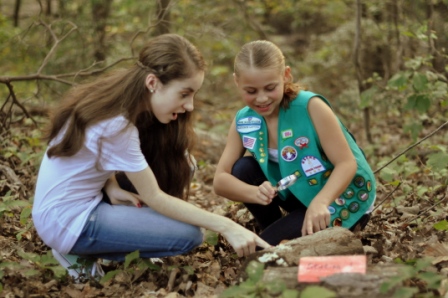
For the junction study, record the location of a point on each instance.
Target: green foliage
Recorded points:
(414, 269)
(316, 291)
(254, 287)
(132, 264)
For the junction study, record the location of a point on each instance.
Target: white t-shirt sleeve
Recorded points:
(119, 145)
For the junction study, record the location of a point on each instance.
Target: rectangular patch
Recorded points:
(249, 142)
(312, 269)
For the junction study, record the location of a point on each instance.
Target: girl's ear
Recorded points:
(151, 82)
(288, 75)
(235, 79)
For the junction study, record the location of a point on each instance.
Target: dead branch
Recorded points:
(410, 147)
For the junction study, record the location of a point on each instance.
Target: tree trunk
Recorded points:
(163, 17)
(100, 14)
(359, 71)
(16, 13)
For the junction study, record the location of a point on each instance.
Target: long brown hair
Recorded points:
(123, 92)
(264, 54)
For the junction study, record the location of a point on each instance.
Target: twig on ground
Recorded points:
(410, 147)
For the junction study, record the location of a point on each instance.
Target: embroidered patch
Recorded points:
(331, 209)
(344, 214)
(369, 186)
(249, 142)
(327, 174)
(363, 195)
(311, 165)
(248, 124)
(353, 207)
(337, 222)
(340, 201)
(349, 193)
(359, 181)
(312, 182)
(287, 134)
(302, 142)
(289, 153)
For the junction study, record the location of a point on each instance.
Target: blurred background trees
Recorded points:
(388, 56)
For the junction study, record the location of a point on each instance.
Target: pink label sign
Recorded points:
(312, 269)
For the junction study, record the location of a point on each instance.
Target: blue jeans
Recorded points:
(113, 231)
(275, 227)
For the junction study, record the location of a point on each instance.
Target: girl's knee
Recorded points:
(244, 165)
(193, 238)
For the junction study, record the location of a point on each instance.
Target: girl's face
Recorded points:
(175, 97)
(262, 89)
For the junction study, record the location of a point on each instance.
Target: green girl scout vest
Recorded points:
(300, 153)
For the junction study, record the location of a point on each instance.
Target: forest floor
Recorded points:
(401, 228)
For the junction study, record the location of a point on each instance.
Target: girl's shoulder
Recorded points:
(111, 126)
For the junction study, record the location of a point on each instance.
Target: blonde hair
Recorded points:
(123, 92)
(263, 54)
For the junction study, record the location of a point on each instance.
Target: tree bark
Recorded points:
(16, 12)
(163, 17)
(100, 14)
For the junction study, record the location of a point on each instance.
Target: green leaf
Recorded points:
(237, 291)
(316, 291)
(398, 81)
(25, 214)
(419, 102)
(405, 292)
(109, 275)
(255, 271)
(131, 257)
(420, 82)
(438, 161)
(211, 237)
(275, 287)
(441, 225)
(366, 97)
(432, 279)
(388, 174)
(289, 293)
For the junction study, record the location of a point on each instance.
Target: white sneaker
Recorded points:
(78, 266)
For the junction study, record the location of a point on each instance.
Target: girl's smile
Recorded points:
(261, 89)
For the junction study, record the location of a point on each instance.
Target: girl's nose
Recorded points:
(189, 106)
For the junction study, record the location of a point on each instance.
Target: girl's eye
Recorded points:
(270, 88)
(251, 91)
(184, 95)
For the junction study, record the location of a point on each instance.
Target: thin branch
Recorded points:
(410, 147)
(429, 208)
(388, 195)
(56, 43)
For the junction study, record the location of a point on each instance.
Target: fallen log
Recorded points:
(281, 264)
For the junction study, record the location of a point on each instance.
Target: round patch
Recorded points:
(363, 195)
(289, 153)
(331, 209)
(327, 174)
(353, 207)
(369, 185)
(337, 222)
(344, 214)
(340, 201)
(348, 193)
(301, 142)
(359, 181)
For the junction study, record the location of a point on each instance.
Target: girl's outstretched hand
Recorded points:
(265, 194)
(244, 241)
(317, 218)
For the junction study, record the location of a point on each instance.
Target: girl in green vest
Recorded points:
(283, 131)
